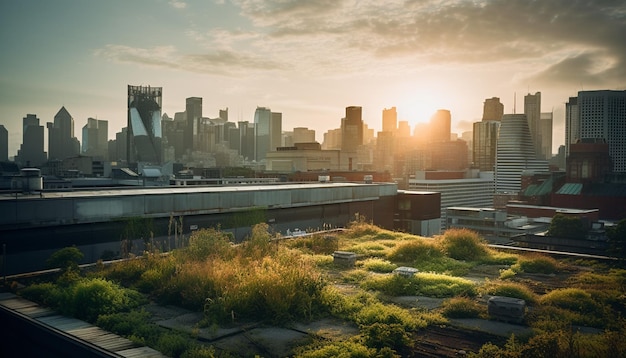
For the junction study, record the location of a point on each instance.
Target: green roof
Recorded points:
(571, 189)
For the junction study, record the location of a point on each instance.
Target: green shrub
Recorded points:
(538, 264)
(66, 259)
(509, 289)
(463, 244)
(417, 250)
(573, 299)
(208, 242)
(462, 307)
(391, 335)
(316, 244)
(377, 312)
(173, 344)
(340, 349)
(90, 298)
(421, 284)
(45, 293)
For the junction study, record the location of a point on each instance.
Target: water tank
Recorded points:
(31, 180)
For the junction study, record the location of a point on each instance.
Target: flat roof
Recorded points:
(183, 190)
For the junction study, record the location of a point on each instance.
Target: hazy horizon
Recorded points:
(306, 59)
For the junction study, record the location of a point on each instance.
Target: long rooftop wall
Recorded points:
(60, 208)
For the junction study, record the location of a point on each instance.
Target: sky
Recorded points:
(306, 59)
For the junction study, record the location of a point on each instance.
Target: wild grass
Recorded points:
(420, 284)
(462, 307)
(508, 289)
(377, 265)
(463, 244)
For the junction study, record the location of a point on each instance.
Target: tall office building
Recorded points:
(144, 124)
(515, 154)
(545, 135)
(493, 110)
(61, 141)
(440, 126)
(532, 110)
(31, 151)
(485, 141)
(390, 120)
(599, 115)
(268, 126)
(4, 144)
(352, 129)
(96, 138)
(193, 115)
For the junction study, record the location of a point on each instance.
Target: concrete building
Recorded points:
(461, 188)
(303, 157)
(390, 120)
(96, 138)
(485, 143)
(599, 115)
(545, 135)
(193, 115)
(493, 110)
(268, 126)
(532, 111)
(4, 144)
(31, 152)
(303, 135)
(352, 129)
(514, 154)
(440, 126)
(61, 141)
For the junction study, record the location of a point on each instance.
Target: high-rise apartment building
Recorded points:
(4, 144)
(515, 154)
(599, 115)
(493, 110)
(61, 141)
(352, 129)
(31, 151)
(532, 110)
(144, 124)
(96, 138)
(390, 120)
(193, 115)
(440, 126)
(485, 141)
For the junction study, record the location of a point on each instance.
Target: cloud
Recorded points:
(177, 4)
(216, 62)
(558, 40)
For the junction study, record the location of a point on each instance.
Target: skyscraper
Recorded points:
(390, 120)
(31, 151)
(440, 126)
(193, 115)
(144, 124)
(61, 141)
(96, 138)
(599, 115)
(532, 110)
(493, 110)
(4, 144)
(485, 141)
(545, 135)
(514, 154)
(352, 129)
(268, 126)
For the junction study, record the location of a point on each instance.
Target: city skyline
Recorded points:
(308, 61)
